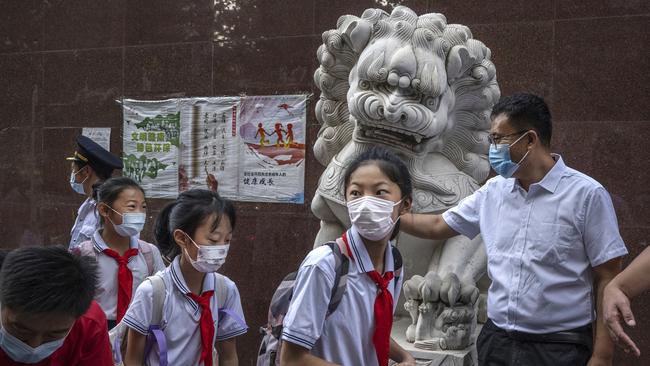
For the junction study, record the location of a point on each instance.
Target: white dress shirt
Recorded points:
(345, 337)
(541, 246)
(107, 268)
(181, 316)
(85, 224)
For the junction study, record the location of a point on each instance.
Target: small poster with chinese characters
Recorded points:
(272, 133)
(209, 144)
(151, 145)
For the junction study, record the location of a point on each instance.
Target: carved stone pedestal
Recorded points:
(466, 357)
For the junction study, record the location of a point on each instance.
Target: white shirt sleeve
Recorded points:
(229, 326)
(303, 324)
(465, 218)
(601, 236)
(138, 315)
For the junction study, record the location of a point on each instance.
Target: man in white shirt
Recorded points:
(551, 239)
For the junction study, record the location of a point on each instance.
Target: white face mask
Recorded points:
(19, 351)
(132, 223)
(372, 216)
(209, 257)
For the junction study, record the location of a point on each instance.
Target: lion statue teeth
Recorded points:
(424, 89)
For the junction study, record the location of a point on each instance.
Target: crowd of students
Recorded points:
(166, 304)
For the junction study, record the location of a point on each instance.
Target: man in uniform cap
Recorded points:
(91, 164)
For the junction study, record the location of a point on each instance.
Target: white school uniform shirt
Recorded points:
(344, 337)
(181, 316)
(107, 268)
(541, 245)
(85, 224)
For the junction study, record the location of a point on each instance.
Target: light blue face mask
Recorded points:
(77, 187)
(18, 351)
(500, 158)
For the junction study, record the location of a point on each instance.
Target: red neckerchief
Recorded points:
(124, 279)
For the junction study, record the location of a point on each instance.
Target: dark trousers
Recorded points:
(496, 347)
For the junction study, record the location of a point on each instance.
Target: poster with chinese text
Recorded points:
(209, 143)
(272, 133)
(151, 145)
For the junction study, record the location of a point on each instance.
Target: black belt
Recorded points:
(582, 335)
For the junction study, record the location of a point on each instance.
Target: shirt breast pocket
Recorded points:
(554, 243)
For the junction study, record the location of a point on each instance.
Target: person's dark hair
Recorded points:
(47, 279)
(388, 162)
(107, 192)
(526, 111)
(187, 213)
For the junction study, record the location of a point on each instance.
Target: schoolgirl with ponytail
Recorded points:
(194, 233)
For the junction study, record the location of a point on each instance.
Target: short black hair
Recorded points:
(187, 213)
(388, 162)
(526, 111)
(47, 279)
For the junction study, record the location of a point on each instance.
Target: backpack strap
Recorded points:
(86, 248)
(341, 267)
(147, 252)
(157, 335)
(397, 262)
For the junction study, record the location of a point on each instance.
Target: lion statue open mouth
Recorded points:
(424, 89)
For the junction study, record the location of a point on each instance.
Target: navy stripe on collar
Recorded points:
(356, 252)
(179, 284)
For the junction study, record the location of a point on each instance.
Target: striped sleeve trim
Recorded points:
(233, 334)
(297, 339)
(135, 326)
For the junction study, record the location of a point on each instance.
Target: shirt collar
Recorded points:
(361, 256)
(100, 244)
(181, 285)
(550, 180)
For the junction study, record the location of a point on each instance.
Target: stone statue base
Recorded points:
(466, 357)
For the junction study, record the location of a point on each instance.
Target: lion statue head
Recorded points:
(413, 83)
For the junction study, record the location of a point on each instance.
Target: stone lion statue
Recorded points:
(424, 89)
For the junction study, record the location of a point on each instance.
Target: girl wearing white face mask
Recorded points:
(194, 232)
(377, 190)
(123, 260)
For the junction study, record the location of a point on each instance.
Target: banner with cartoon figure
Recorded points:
(151, 145)
(209, 144)
(272, 148)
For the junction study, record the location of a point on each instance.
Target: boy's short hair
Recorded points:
(47, 279)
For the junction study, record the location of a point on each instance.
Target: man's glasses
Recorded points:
(495, 139)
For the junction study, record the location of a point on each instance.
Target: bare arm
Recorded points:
(616, 299)
(426, 226)
(134, 348)
(294, 355)
(603, 345)
(227, 351)
(399, 354)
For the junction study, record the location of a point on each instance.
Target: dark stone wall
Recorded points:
(63, 64)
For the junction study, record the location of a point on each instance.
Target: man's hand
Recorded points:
(596, 361)
(616, 306)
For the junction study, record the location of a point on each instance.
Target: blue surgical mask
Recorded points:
(77, 187)
(500, 159)
(19, 351)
